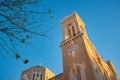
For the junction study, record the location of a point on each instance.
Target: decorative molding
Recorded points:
(73, 38)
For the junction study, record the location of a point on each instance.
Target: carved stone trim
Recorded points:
(73, 38)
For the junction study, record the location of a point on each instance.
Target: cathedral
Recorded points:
(81, 61)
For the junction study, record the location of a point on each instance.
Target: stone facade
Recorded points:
(81, 61)
(37, 73)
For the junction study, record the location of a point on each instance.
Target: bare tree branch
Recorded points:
(17, 21)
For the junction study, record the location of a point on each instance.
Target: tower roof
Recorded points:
(70, 16)
(67, 17)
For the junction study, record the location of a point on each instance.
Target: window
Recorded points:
(41, 77)
(28, 75)
(99, 61)
(33, 76)
(37, 75)
(73, 31)
(77, 72)
(97, 73)
(69, 32)
(78, 76)
(105, 76)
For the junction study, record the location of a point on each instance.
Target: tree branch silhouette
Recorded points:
(17, 22)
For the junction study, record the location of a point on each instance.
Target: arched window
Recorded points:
(78, 75)
(97, 73)
(41, 77)
(105, 74)
(69, 32)
(33, 77)
(77, 72)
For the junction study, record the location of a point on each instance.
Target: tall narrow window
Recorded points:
(77, 72)
(105, 76)
(99, 61)
(37, 75)
(33, 77)
(41, 77)
(73, 31)
(78, 76)
(69, 32)
(97, 73)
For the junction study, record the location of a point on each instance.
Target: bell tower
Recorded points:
(72, 25)
(76, 61)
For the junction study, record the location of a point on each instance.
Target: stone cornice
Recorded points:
(73, 38)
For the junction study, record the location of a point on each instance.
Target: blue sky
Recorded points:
(102, 20)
